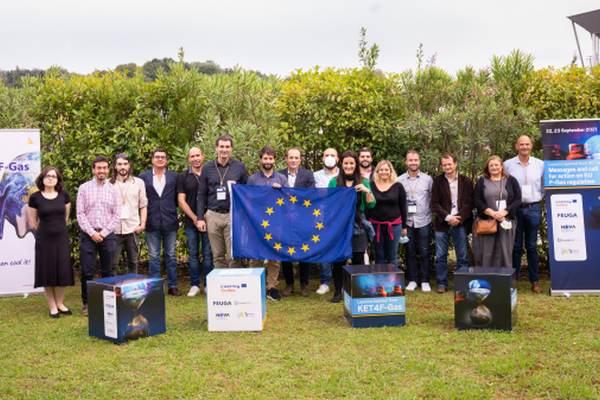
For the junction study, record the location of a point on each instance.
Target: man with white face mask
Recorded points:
(322, 179)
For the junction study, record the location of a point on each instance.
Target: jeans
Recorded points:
(168, 238)
(288, 273)
(338, 270)
(325, 273)
(528, 223)
(418, 245)
(87, 257)
(131, 242)
(386, 250)
(194, 239)
(442, 241)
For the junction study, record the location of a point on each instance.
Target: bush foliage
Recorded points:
(473, 114)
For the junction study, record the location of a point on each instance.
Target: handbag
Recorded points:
(485, 226)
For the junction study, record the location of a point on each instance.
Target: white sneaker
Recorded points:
(324, 288)
(425, 287)
(194, 290)
(412, 285)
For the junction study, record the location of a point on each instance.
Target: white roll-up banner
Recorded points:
(19, 167)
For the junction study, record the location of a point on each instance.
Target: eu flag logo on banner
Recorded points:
(292, 224)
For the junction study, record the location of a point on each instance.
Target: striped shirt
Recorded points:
(97, 207)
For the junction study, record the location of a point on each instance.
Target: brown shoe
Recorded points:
(535, 287)
(441, 289)
(84, 310)
(173, 291)
(304, 290)
(289, 289)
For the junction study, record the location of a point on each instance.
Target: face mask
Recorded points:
(329, 161)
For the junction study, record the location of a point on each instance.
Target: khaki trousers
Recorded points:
(273, 268)
(218, 227)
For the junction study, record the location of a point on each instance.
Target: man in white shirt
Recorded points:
(529, 171)
(322, 179)
(417, 185)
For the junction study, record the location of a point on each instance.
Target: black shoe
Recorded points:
(173, 291)
(273, 294)
(54, 315)
(337, 297)
(65, 312)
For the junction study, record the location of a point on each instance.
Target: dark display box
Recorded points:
(485, 298)
(374, 296)
(126, 307)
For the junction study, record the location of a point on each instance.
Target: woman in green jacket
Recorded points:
(350, 177)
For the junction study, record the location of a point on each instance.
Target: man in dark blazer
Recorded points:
(452, 208)
(161, 224)
(297, 177)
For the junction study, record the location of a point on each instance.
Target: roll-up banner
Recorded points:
(19, 167)
(572, 185)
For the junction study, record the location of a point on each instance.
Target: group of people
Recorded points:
(114, 208)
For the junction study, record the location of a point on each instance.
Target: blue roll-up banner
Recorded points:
(572, 183)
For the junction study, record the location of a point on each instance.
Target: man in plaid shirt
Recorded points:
(97, 215)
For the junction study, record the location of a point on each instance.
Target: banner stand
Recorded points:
(572, 193)
(19, 167)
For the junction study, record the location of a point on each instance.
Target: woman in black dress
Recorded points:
(49, 214)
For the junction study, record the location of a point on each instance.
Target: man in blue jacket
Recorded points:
(297, 177)
(161, 225)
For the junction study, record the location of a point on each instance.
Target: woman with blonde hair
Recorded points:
(389, 214)
(497, 197)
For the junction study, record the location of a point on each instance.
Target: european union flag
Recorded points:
(292, 224)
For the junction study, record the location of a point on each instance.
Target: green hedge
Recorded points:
(473, 113)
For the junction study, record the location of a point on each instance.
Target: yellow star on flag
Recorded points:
(320, 225)
(277, 246)
(305, 247)
(315, 238)
(307, 203)
(280, 201)
(265, 223)
(293, 199)
(291, 251)
(270, 211)
(268, 237)
(317, 212)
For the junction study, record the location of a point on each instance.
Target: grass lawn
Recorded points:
(307, 351)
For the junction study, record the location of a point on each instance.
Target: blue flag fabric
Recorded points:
(292, 224)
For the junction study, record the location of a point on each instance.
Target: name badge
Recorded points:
(221, 193)
(124, 212)
(500, 205)
(412, 207)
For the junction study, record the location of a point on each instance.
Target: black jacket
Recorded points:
(162, 211)
(513, 202)
(441, 202)
(304, 178)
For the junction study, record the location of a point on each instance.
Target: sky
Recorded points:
(280, 36)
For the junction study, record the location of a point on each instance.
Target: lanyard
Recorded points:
(500, 186)
(221, 177)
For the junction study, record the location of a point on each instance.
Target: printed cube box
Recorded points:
(126, 307)
(374, 296)
(236, 299)
(485, 298)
